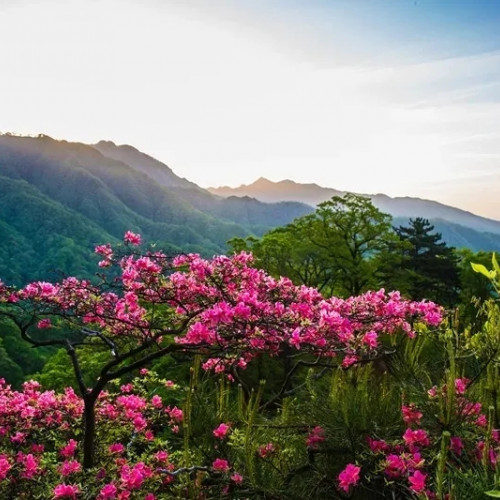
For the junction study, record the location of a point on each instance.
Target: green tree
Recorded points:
(337, 248)
(431, 265)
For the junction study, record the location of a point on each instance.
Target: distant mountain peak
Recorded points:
(144, 163)
(103, 142)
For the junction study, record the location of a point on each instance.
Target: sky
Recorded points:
(400, 97)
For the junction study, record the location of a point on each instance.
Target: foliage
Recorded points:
(336, 249)
(431, 265)
(225, 312)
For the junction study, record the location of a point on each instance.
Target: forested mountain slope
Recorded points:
(59, 199)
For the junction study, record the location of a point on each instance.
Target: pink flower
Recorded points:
(456, 445)
(395, 466)
(377, 446)
(4, 466)
(481, 420)
(316, 436)
(370, 339)
(266, 450)
(161, 456)
(349, 477)
(149, 496)
(132, 238)
(69, 450)
(66, 491)
(220, 464)
(349, 360)
(221, 431)
(44, 323)
(108, 492)
(69, 467)
(461, 385)
(116, 448)
(175, 414)
(411, 415)
(416, 437)
(417, 481)
(156, 401)
(237, 478)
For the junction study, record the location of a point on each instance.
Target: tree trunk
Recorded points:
(89, 432)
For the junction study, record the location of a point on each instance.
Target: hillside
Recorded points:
(59, 199)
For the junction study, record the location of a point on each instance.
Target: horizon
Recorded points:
(400, 98)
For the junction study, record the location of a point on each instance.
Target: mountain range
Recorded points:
(459, 228)
(58, 199)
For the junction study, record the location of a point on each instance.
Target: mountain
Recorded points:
(271, 192)
(158, 171)
(403, 208)
(59, 199)
(258, 216)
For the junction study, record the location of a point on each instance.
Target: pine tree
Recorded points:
(432, 266)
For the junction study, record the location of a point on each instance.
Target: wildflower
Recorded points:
(66, 491)
(221, 431)
(417, 481)
(220, 464)
(349, 477)
(132, 238)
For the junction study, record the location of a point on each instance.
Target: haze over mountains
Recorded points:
(59, 199)
(458, 227)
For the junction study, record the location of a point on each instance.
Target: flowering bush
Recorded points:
(129, 440)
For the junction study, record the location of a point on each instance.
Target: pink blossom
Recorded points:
(417, 481)
(4, 466)
(370, 339)
(220, 464)
(161, 456)
(316, 436)
(116, 448)
(411, 415)
(394, 466)
(416, 437)
(70, 449)
(69, 467)
(132, 238)
(175, 413)
(349, 360)
(108, 492)
(456, 445)
(349, 477)
(266, 450)
(44, 323)
(30, 464)
(221, 431)
(482, 421)
(237, 478)
(461, 385)
(377, 446)
(66, 491)
(156, 401)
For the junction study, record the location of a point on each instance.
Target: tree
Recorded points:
(224, 310)
(336, 249)
(431, 265)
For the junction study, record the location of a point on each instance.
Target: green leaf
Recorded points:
(493, 493)
(479, 268)
(494, 261)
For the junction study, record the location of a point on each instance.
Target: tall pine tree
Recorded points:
(431, 265)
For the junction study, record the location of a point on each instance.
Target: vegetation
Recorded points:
(380, 397)
(282, 375)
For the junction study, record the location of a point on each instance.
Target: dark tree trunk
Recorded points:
(89, 432)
